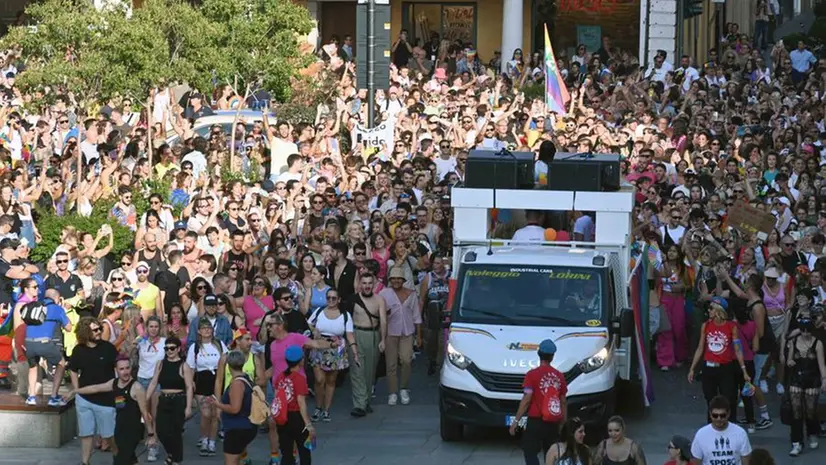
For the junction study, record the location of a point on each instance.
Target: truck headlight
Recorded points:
(594, 362)
(458, 359)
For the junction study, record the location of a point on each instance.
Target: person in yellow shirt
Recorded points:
(147, 295)
(166, 164)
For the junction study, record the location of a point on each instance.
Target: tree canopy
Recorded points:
(100, 53)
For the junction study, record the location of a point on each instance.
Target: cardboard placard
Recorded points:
(749, 220)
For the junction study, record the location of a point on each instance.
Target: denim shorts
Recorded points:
(145, 383)
(94, 419)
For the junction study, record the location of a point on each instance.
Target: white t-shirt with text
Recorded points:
(727, 447)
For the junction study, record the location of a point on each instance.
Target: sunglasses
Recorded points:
(142, 271)
(285, 299)
(258, 283)
(332, 297)
(125, 263)
(61, 262)
(719, 416)
(201, 287)
(117, 279)
(97, 330)
(170, 348)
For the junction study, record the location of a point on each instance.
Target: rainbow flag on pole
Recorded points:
(556, 93)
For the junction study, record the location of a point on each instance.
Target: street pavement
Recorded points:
(409, 435)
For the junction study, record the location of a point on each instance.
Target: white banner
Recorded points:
(374, 138)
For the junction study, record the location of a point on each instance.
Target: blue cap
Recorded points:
(721, 302)
(293, 354)
(180, 224)
(547, 347)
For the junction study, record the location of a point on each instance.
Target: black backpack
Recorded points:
(34, 313)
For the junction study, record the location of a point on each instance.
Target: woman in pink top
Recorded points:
(257, 305)
(380, 253)
(281, 339)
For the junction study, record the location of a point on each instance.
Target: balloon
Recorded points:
(494, 214)
(550, 234)
(563, 236)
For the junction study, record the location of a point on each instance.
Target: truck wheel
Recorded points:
(450, 431)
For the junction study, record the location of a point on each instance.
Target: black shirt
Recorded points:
(402, 55)
(95, 365)
(68, 288)
(190, 112)
(790, 262)
(170, 284)
(5, 283)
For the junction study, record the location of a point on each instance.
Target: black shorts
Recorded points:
(237, 440)
(49, 351)
(204, 383)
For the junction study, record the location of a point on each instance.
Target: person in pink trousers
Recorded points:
(672, 340)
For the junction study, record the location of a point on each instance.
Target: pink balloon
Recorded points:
(562, 236)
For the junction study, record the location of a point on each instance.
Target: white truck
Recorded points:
(509, 296)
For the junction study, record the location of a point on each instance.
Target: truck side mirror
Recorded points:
(627, 323)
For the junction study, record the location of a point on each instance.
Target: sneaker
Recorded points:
(813, 444)
(316, 415)
(203, 450)
(31, 400)
(56, 401)
(405, 395)
(275, 459)
(797, 448)
(392, 399)
(211, 448)
(742, 421)
(740, 404)
(221, 434)
(764, 386)
(780, 389)
(200, 442)
(664, 368)
(325, 417)
(152, 454)
(764, 423)
(750, 428)
(358, 412)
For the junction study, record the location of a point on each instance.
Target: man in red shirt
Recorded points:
(544, 401)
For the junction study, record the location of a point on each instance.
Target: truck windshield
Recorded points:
(535, 296)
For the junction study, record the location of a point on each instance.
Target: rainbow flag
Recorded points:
(639, 304)
(556, 93)
(6, 325)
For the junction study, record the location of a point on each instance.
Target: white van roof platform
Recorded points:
(472, 211)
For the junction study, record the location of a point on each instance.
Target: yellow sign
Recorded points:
(593, 323)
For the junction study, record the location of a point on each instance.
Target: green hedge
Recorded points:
(50, 226)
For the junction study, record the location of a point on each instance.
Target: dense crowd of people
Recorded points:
(329, 256)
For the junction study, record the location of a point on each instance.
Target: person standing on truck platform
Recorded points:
(543, 399)
(533, 230)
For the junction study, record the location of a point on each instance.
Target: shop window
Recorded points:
(452, 21)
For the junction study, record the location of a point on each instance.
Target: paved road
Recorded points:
(409, 435)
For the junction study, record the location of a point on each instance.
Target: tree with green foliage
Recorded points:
(96, 54)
